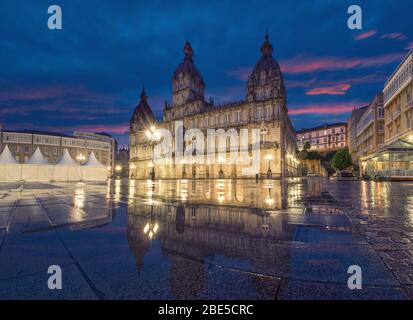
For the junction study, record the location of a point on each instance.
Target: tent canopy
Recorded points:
(37, 158)
(92, 161)
(66, 160)
(7, 157)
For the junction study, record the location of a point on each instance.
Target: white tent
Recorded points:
(93, 170)
(37, 158)
(37, 168)
(66, 169)
(10, 169)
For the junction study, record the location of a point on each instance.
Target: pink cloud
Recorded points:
(240, 73)
(410, 46)
(393, 36)
(304, 64)
(330, 90)
(365, 35)
(51, 92)
(109, 128)
(307, 83)
(328, 108)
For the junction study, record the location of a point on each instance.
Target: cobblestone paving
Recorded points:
(382, 212)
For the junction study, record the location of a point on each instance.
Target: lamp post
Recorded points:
(118, 170)
(269, 157)
(153, 137)
(151, 227)
(183, 168)
(132, 167)
(269, 201)
(80, 157)
(221, 171)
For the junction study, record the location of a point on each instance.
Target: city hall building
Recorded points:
(264, 108)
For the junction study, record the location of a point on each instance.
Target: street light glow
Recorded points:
(269, 157)
(80, 157)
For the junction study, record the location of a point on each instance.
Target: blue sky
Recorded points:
(88, 76)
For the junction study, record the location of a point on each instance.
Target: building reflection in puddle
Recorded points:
(201, 222)
(268, 195)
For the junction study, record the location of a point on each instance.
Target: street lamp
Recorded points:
(269, 157)
(183, 168)
(80, 157)
(151, 227)
(153, 136)
(269, 200)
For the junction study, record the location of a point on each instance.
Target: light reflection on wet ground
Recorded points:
(187, 239)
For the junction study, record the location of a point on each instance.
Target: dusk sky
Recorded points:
(88, 76)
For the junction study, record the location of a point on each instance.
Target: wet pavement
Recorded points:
(211, 239)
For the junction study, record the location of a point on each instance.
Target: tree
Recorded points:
(341, 160)
(306, 146)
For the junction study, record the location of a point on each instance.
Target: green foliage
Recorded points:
(307, 146)
(341, 160)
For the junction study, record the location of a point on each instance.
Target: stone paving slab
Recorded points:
(31, 253)
(322, 263)
(27, 217)
(299, 290)
(4, 219)
(34, 287)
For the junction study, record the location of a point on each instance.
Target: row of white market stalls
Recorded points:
(38, 168)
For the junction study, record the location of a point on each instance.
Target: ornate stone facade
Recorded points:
(264, 108)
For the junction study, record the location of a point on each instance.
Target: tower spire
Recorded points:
(143, 95)
(266, 48)
(188, 51)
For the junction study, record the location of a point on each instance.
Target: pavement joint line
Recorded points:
(10, 212)
(33, 273)
(99, 294)
(350, 212)
(286, 278)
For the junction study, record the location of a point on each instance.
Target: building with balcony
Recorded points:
(23, 144)
(352, 122)
(325, 138)
(394, 160)
(370, 129)
(398, 102)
